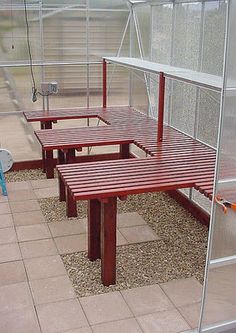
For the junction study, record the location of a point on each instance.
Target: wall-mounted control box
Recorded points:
(49, 88)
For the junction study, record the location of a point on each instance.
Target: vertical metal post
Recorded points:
(104, 73)
(161, 107)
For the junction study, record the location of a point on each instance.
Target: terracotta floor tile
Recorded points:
(24, 206)
(163, 322)
(18, 186)
(104, 308)
(32, 232)
(145, 300)
(191, 313)
(38, 248)
(46, 192)
(28, 218)
(19, 321)
(12, 272)
(130, 220)
(7, 235)
(44, 267)
(124, 326)
(21, 195)
(44, 183)
(61, 316)
(52, 289)
(9, 252)
(67, 228)
(183, 292)
(71, 244)
(15, 296)
(139, 234)
(6, 220)
(4, 208)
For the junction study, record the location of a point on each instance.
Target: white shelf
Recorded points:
(200, 79)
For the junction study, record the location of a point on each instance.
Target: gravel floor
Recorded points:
(179, 254)
(24, 175)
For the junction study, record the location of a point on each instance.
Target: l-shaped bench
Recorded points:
(101, 183)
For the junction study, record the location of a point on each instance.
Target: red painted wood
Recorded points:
(62, 190)
(49, 164)
(104, 76)
(70, 156)
(161, 107)
(124, 151)
(71, 209)
(94, 229)
(108, 241)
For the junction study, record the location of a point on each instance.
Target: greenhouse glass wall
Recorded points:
(68, 40)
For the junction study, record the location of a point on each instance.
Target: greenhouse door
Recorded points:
(219, 300)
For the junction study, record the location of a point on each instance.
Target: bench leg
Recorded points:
(60, 157)
(62, 190)
(94, 229)
(71, 209)
(108, 241)
(43, 161)
(70, 156)
(124, 151)
(49, 164)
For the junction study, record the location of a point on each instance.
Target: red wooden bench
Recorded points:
(101, 183)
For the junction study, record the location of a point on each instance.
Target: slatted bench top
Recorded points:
(124, 177)
(82, 137)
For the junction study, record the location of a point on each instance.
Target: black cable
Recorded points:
(34, 89)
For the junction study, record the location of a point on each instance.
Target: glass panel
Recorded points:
(213, 38)
(13, 42)
(209, 112)
(220, 289)
(161, 33)
(187, 35)
(105, 33)
(118, 85)
(183, 107)
(143, 18)
(107, 4)
(139, 92)
(18, 137)
(64, 35)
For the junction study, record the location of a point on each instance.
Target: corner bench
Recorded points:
(101, 183)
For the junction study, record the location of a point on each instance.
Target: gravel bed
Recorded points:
(55, 211)
(24, 175)
(179, 254)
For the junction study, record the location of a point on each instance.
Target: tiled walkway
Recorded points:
(36, 294)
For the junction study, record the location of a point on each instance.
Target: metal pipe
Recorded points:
(161, 107)
(104, 75)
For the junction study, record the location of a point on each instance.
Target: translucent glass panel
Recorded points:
(118, 85)
(213, 37)
(64, 35)
(220, 288)
(105, 33)
(139, 97)
(208, 118)
(13, 43)
(63, 3)
(16, 92)
(18, 137)
(114, 4)
(183, 105)
(143, 14)
(161, 33)
(187, 35)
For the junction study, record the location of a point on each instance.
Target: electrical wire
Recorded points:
(34, 89)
